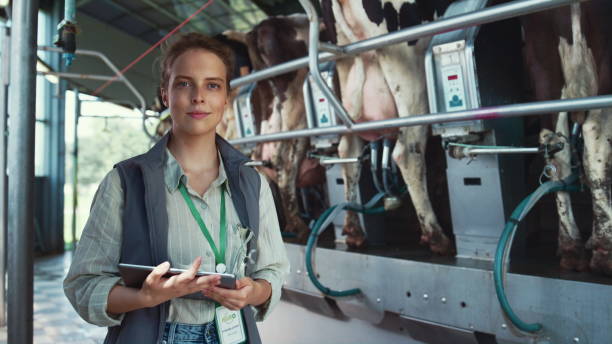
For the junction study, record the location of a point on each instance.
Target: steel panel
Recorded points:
(461, 295)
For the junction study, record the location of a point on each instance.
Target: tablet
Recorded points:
(134, 275)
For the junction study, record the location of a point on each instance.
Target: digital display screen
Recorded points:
(453, 77)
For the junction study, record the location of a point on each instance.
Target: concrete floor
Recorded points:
(55, 321)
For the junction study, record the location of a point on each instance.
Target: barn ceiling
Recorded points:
(150, 20)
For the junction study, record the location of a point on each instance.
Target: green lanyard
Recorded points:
(219, 255)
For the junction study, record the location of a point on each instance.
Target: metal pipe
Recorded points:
(120, 76)
(279, 69)
(258, 163)
(77, 75)
(69, 10)
(4, 80)
(22, 106)
(111, 117)
(334, 161)
(313, 53)
(486, 15)
(479, 151)
(331, 48)
(75, 167)
(110, 65)
(505, 111)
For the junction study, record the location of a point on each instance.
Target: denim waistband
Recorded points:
(176, 333)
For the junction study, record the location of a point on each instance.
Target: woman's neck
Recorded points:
(196, 154)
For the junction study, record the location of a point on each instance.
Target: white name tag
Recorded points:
(229, 326)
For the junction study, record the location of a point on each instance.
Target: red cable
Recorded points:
(101, 88)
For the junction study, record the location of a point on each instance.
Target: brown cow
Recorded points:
(279, 106)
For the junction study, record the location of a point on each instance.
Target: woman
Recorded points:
(167, 208)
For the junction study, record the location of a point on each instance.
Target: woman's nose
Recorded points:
(198, 97)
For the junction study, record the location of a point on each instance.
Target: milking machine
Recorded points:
(406, 293)
(484, 174)
(244, 118)
(466, 69)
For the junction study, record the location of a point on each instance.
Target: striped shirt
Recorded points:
(93, 272)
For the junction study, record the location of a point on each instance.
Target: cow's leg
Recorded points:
(571, 247)
(350, 147)
(578, 67)
(404, 72)
(409, 154)
(597, 133)
(286, 162)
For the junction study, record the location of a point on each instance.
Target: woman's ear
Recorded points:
(164, 97)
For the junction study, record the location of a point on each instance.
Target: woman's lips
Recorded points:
(197, 114)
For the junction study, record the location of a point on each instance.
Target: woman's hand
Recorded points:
(157, 289)
(247, 292)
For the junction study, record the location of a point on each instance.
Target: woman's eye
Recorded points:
(183, 84)
(214, 85)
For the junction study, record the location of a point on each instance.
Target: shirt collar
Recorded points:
(173, 174)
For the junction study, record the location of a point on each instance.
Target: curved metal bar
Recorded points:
(496, 112)
(111, 65)
(313, 63)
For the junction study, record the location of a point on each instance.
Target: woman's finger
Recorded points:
(190, 273)
(207, 281)
(158, 272)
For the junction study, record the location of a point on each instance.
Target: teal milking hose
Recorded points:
(322, 222)
(505, 243)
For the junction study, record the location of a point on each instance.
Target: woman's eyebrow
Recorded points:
(215, 79)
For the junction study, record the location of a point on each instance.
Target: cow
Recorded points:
(569, 54)
(563, 62)
(386, 83)
(278, 105)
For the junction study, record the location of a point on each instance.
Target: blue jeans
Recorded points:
(177, 333)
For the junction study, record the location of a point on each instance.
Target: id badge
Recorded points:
(230, 326)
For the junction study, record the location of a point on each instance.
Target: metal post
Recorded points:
(313, 63)
(4, 80)
(22, 109)
(75, 166)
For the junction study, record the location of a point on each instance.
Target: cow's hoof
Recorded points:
(355, 237)
(601, 262)
(574, 258)
(438, 243)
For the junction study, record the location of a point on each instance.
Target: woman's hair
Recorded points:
(190, 41)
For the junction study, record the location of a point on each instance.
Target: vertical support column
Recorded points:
(4, 80)
(20, 153)
(75, 166)
(56, 143)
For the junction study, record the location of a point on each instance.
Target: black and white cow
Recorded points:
(386, 83)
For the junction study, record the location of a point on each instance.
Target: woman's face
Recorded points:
(196, 93)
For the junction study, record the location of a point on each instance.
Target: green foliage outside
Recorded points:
(102, 143)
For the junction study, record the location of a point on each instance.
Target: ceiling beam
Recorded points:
(81, 3)
(234, 12)
(136, 15)
(179, 20)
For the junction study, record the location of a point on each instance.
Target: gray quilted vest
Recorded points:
(145, 230)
